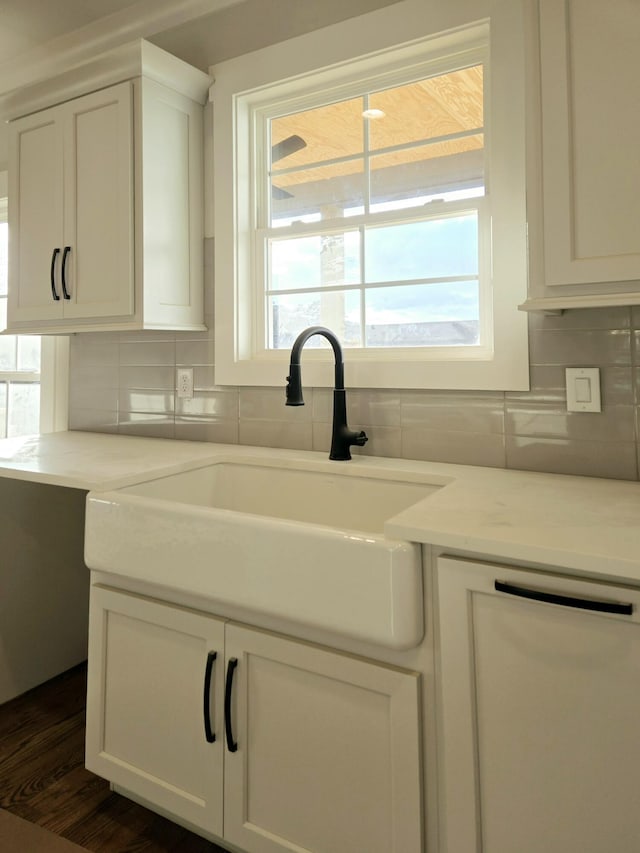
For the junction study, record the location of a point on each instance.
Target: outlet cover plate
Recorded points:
(583, 389)
(184, 382)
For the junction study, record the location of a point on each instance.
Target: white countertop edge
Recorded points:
(562, 559)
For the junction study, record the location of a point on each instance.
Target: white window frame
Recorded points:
(382, 42)
(54, 363)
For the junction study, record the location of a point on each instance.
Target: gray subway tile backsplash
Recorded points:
(192, 428)
(463, 448)
(569, 456)
(152, 352)
(147, 400)
(462, 412)
(94, 420)
(268, 404)
(580, 347)
(191, 352)
(218, 405)
(126, 383)
(549, 420)
(284, 434)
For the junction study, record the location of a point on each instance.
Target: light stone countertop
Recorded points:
(85, 460)
(580, 524)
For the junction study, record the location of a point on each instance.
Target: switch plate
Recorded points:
(583, 389)
(184, 382)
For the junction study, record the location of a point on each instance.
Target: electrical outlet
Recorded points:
(184, 382)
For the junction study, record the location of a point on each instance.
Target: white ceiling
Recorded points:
(25, 24)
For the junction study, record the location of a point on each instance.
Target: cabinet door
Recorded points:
(35, 216)
(590, 67)
(152, 682)
(172, 234)
(328, 751)
(539, 714)
(99, 232)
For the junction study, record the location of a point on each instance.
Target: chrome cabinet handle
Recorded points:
(566, 600)
(206, 698)
(54, 293)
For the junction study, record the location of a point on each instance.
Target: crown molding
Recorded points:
(143, 19)
(138, 58)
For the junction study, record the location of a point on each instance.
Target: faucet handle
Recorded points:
(361, 439)
(294, 386)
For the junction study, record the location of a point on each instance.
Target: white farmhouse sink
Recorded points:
(314, 496)
(295, 541)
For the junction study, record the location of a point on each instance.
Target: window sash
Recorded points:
(261, 296)
(254, 115)
(264, 234)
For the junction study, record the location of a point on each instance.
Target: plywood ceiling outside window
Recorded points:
(414, 114)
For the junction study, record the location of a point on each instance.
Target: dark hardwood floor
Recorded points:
(43, 779)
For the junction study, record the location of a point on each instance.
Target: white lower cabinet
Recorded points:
(147, 701)
(315, 751)
(539, 693)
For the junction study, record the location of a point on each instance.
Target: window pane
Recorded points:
(313, 136)
(4, 236)
(324, 191)
(7, 352)
(24, 408)
(3, 409)
(28, 352)
(416, 175)
(429, 249)
(438, 106)
(290, 314)
(313, 261)
(7, 342)
(423, 315)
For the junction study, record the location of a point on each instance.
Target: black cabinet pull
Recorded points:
(65, 293)
(206, 698)
(566, 600)
(232, 746)
(54, 293)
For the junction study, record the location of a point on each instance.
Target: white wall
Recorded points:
(4, 150)
(44, 583)
(253, 24)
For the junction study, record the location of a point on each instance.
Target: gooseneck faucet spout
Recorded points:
(342, 437)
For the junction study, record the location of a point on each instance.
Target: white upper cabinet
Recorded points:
(106, 200)
(72, 251)
(35, 233)
(584, 192)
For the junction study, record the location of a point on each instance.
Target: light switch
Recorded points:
(583, 389)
